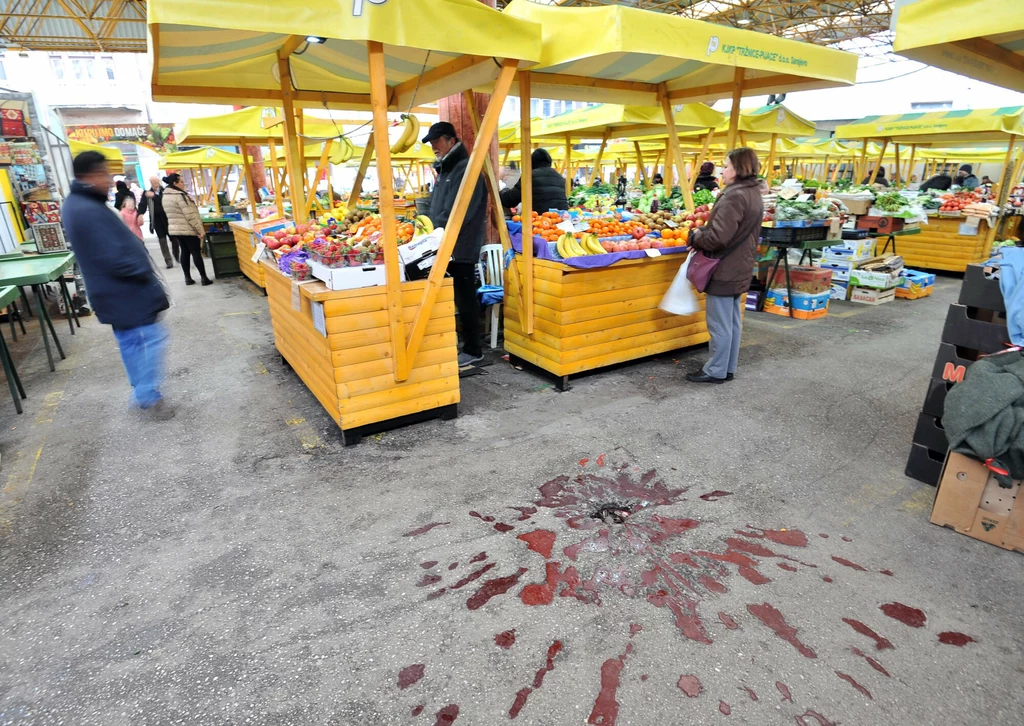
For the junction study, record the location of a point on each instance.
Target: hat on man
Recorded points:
(967, 168)
(441, 128)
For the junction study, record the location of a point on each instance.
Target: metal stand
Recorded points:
(72, 314)
(44, 323)
(13, 381)
(782, 255)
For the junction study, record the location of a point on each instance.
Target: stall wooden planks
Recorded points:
(351, 369)
(940, 246)
(588, 319)
(245, 245)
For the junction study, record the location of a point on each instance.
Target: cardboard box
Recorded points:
(348, 278)
(856, 205)
(840, 290)
(878, 279)
(870, 295)
(908, 295)
(915, 280)
(935, 399)
(840, 270)
(805, 306)
(881, 224)
(854, 249)
(970, 500)
(802, 279)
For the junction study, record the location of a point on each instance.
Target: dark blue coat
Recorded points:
(123, 286)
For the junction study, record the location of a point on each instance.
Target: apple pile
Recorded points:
(699, 216)
(291, 236)
(637, 243)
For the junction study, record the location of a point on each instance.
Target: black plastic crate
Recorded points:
(929, 433)
(952, 362)
(794, 235)
(935, 400)
(968, 328)
(855, 234)
(980, 291)
(925, 465)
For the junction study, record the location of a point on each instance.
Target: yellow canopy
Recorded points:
(256, 124)
(114, 157)
(312, 153)
(622, 121)
(975, 38)
(204, 156)
(939, 127)
(509, 134)
(618, 54)
(756, 124)
(226, 51)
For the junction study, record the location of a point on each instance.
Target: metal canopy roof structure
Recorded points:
(86, 26)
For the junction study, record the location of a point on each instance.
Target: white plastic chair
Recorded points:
(492, 272)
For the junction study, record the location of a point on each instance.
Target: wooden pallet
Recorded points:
(245, 247)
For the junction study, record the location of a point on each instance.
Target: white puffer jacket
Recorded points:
(183, 218)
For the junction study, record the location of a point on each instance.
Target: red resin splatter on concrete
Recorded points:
(478, 558)
(583, 462)
(538, 680)
(606, 706)
(886, 572)
(826, 578)
(452, 566)
(643, 677)
(690, 685)
(880, 642)
(493, 588)
(424, 529)
(635, 628)
(849, 679)
(846, 563)
(788, 537)
(417, 710)
(600, 460)
(713, 585)
(728, 621)
(784, 690)
(725, 708)
(907, 615)
(505, 639)
(447, 715)
(715, 495)
(428, 580)
(410, 674)
(822, 721)
(751, 693)
(957, 639)
(427, 565)
(437, 593)
(871, 661)
(823, 535)
(524, 513)
(774, 619)
(787, 566)
(474, 575)
(540, 541)
(502, 527)
(485, 518)
(847, 539)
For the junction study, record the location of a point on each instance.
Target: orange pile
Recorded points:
(675, 237)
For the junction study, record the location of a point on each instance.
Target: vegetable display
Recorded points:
(891, 202)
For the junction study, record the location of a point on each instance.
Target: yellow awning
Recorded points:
(976, 38)
(939, 127)
(617, 54)
(255, 124)
(623, 121)
(205, 156)
(114, 157)
(757, 124)
(226, 51)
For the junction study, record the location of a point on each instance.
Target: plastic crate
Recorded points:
(794, 235)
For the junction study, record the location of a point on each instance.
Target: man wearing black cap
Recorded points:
(452, 161)
(965, 178)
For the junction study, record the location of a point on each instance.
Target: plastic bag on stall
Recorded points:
(681, 299)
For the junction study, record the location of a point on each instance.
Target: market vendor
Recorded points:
(657, 178)
(965, 178)
(548, 186)
(706, 178)
(879, 178)
(452, 161)
(939, 182)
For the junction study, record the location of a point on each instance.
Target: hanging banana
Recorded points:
(346, 150)
(410, 132)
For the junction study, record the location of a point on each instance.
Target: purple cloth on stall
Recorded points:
(542, 251)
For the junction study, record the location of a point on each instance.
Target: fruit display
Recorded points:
(410, 134)
(955, 203)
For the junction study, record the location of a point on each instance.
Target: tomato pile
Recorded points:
(956, 202)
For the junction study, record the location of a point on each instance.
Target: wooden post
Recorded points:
(701, 157)
(677, 153)
(824, 170)
(873, 174)
(568, 164)
(364, 164)
(1006, 184)
(861, 169)
(316, 179)
(835, 173)
(896, 175)
(640, 162)
(771, 159)
(248, 181)
(910, 166)
(734, 115)
(526, 171)
(392, 271)
(481, 149)
(278, 201)
(293, 150)
(600, 152)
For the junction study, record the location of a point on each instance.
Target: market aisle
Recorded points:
(238, 565)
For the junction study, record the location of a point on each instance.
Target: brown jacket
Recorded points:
(736, 216)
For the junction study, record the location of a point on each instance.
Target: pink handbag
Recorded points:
(703, 267)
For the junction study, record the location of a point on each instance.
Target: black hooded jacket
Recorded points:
(442, 200)
(548, 191)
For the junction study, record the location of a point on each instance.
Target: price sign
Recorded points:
(670, 224)
(652, 252)
(568, 226)
(259, 251)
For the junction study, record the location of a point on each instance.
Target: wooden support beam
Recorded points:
(997, 54)
(595, 174)
(677, 153)
(526, 185)
(734, 114)
(1004, 189)
(291, 45)
(701, 156)
(293, 150)
(278, 200)
(364, 164)
(770, 174)
(881, 160)
(247, 168)
(910, 166)
(320, 167)
(640, 162)
(569, 173)
(896, 176)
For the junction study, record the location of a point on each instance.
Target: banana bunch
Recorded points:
(410, 134)
(346, 150)
(568, 246)
(589, 243)
(423, 226)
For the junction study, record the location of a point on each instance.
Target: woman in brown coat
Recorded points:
(731, 234)
(185, 226)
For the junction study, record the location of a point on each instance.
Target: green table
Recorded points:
(36, 271)
(891, 237)
(7, 297)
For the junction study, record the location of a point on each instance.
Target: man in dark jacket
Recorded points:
(452, 161)
(965, 178)
(153, 202)
(548, 186)
(939, 182)
(879, 178)
(124, 289)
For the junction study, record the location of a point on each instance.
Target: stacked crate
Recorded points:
(975, 327)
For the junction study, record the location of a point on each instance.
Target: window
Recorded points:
(57, 65)
(546, 108)
(3, 73)
(85, 68)
(931, 106)
(108, 67)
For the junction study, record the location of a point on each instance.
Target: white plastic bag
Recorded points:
(680, 299)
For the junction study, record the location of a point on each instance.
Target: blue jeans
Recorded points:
(725, 325)
(143, 351)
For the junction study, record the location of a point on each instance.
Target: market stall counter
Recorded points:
(245, 248)
(338, 343)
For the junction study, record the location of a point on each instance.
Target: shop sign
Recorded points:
(157, 137)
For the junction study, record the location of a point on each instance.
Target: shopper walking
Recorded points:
(731, 235)
(152, 202)
(706, 178)
(548, 186)
(452, 160)
(122, 192)
(124, 288)
(131, 217)
(185, 226)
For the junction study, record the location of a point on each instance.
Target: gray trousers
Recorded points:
(725, 326)
(166, 252)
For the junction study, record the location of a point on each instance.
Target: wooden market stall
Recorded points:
(944, 243)
(564, 319)
(374, 356)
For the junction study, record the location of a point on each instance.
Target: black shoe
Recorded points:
(729, 376)
(190, 282)
(207, 282)
(702, 377)
(170, 265)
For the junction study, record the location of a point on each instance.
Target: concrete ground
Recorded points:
(238, 565)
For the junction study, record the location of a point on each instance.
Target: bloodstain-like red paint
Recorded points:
(784, 690)
(849, 679)
(686, 617)
(480, 557)
(788, 537)
(452, 566)
(493, 588)
(417, 710)
(826, 578)
(597, 544)
(751, 692)
(670, 527)
(428, 579)
(774, 619)
(635, 628)
(447, 715)
(728, 621)
(787, 566)
(713, 585)
(427, 565)
(907, 615)
(474, 575)
(437, 593)
(886, 572)
(871, 661)
(847, 539)
(725, 708)
(846, 563)
(880, 642)
(540, 541)
(823, 535)
(745, 564)
(822, 721)
(643, 677)
(505, 639)
(690, 685)
(538, 680)
(524, 513)
(600, 460)
(485, 518)
(606, 705)
(715, 495)
(424, 529)
(583, 462)
(410, 674)
(542, 593)
(502, 527)
(957, 639)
